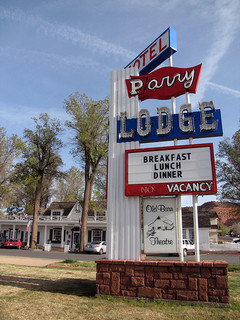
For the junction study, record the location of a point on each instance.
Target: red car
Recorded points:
(16, 243)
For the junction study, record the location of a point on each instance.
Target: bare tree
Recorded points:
(228, 167)
(71, 186)
(10, 149)
(89, 122)
(41, 160)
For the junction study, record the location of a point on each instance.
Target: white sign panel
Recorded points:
(170, 170)
(160, 231)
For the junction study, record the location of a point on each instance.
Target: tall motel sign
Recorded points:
(158, 175)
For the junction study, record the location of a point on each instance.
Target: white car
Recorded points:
(188, 246)
(96, 247)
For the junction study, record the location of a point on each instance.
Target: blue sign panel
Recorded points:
(175, 133)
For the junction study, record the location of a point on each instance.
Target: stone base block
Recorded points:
(205, 281)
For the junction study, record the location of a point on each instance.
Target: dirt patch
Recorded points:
(70, 267)
(75, 286)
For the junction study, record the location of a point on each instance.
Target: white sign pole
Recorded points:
(179, 206)
(123, 226)
(196, 229)
(195, 207)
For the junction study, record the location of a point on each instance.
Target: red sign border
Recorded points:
(160, 189)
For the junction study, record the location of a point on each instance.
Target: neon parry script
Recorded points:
(164, 83)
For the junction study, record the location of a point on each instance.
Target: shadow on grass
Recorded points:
(79, 287)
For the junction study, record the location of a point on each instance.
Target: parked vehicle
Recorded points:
(188, 246)
(96, 247)
(13, 243)
(236, 240)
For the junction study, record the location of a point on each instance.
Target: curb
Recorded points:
(219, 252)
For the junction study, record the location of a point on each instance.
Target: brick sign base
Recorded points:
(204, 281)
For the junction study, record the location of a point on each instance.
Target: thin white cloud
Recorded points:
(13, 120)
(16, 121)
(51, 60)
(235, 93)
(68, 33)
(225, 17)
(156, 4)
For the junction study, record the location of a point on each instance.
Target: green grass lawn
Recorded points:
(69, 293)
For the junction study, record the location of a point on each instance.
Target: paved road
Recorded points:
(40, 258)
(44, 258)
(230, 258)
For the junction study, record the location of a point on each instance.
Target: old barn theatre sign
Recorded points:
(164, 83)
(188, 169)
(160, 225)
(157, 52)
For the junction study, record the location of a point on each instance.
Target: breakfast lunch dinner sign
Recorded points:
(169, 171)
(166, 171)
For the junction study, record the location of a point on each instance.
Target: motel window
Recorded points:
(191, 234)
(56, 215)
(184, 233)
(97, 235)
(56, 235)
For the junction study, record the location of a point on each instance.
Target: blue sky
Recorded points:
(51, 49)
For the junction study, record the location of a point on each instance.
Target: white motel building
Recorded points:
(59, 226)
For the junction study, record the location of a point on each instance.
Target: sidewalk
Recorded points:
(26, 261)
(224, 248)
